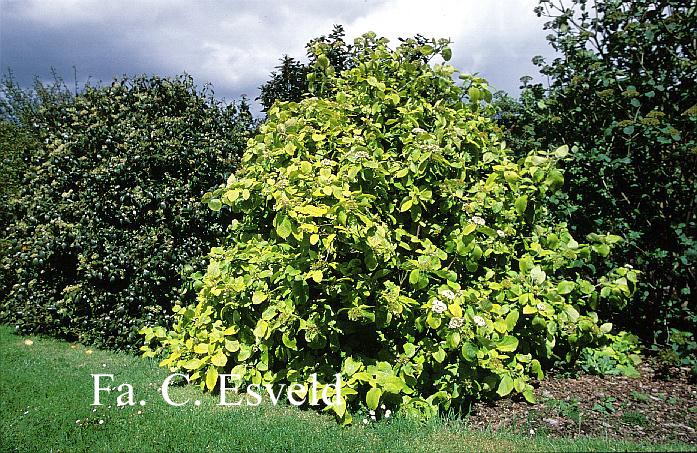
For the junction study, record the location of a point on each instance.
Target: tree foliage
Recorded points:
(109, 213)
(290, 81)
(386, 233)
(622, 92)
(23, 107)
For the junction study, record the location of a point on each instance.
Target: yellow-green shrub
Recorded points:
(386, 233)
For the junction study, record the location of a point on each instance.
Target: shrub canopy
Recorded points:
(386, 233)
(110, 212)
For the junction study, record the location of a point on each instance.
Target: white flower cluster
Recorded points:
(456, 323)
(478, 320)
(500, 233)
(448, 294)
(478, 220)
(438, 306)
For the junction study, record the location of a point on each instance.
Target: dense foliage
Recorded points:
(109, 212)
(385, 232)
(292, 79)
(623, 92)
(15, 148)
(19, 109)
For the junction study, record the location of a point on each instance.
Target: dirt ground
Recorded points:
(654, 407)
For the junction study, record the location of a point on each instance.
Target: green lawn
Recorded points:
(46, 391)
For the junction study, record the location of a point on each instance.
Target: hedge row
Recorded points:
(109, 213)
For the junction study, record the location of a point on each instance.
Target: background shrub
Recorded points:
(19, 110)
(16, 146)
(109, 214)
(291, 80)
(387, 234)
(623, 92)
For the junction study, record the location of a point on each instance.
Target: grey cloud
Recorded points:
(234, 45)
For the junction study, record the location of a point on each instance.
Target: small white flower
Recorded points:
(629, 266)
(438, 306)
(541, 306)
(478, 320)
(456, 323)
(478, 220)
(140, 412)
(372, 413)
(417, 130)
(383, 407)
(365, 421)
(448, 294)
(388, 413)
(500, 233)
(373, 417)
(101, 422)
(77, 421)
(532, 431)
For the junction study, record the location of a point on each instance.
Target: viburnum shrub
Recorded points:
(385, 233)
(109, 212)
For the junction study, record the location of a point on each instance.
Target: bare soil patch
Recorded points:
(655, 407)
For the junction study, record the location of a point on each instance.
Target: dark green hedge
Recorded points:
(110, 214)
(15, 148)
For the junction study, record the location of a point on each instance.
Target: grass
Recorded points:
(46, 391)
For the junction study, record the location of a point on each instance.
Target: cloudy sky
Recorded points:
(235, 44)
